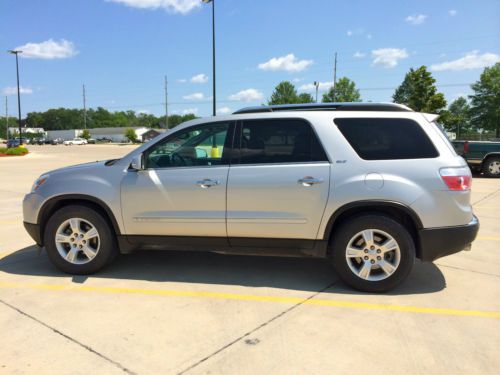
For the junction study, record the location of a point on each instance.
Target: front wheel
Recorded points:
(373, 253)
(79, 240)
(491, 167)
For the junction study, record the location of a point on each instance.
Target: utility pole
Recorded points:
(14, 52)
(316, 84)
(335, 78)
(166, 103)
(84, 109)
(6, 118)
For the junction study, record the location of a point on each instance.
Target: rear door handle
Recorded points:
(206, 183)
(309, 181)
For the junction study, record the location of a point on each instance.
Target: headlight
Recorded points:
(39, 182)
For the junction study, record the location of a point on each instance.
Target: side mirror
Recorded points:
(137, 163)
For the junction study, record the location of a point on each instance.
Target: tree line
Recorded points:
(479, 112)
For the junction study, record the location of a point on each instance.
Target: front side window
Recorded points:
(197, 146)
(278, 141)
(386, 138)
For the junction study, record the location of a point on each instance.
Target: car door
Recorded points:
(278, 182)
(182, 189)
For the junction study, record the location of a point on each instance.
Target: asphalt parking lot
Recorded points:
(198, 313)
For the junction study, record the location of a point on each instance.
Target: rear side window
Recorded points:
(279, 141)
(386, 138)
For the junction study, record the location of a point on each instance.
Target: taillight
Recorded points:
(457, 179)
(466, 147)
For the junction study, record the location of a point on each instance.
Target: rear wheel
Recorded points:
(373, 253)
(79, 240)
(491, 167)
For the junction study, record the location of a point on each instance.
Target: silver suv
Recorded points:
(369, 186)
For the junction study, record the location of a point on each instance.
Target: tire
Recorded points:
(367, 275)
(90, 250)
(491, 167)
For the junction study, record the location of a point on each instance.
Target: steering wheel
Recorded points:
(178, 159)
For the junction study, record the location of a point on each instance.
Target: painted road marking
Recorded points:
(257, 298)
(489, 238)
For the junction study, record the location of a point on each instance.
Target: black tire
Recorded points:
(108, 248)
(489, 167)
(343, 235)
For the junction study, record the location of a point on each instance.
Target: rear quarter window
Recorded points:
(386, 138)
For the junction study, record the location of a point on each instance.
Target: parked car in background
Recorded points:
(40, 141)
(56, 141)
(91, 141)
(75, 141)
(104, 140)
(14, 142)
(369, 186)
(483, 156)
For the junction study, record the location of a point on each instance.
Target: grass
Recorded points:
(15, 151)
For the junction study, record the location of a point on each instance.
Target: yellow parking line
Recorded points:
(489, 238)
(258, 298)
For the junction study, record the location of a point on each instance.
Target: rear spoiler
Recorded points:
(430, 117)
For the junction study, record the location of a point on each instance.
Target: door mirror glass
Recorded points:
(136, 164)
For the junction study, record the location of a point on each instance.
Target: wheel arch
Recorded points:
(403, 213)
(56, 203)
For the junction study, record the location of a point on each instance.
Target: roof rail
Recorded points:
(381, 107)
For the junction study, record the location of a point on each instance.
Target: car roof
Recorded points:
(345, 106)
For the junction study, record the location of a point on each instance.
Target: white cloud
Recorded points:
(194, 96)
(13, 90)
(288, 63)
(452, 12)
(199, 78)
(224, 110)
(188, 111)
(323, 86)
(416, 19)
(174, 6)
(359, 55)
(248, 95)
(48, 50)
(471, 60)
(388, 57)
(182, 80)
(349, 33)
(295, 80)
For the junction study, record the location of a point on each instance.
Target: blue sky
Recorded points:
(121, 49)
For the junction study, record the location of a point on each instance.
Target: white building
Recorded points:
(116, 134)
(64, 134)
(15, 130)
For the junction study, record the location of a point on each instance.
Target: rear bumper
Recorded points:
(34, 231)
(439, 242)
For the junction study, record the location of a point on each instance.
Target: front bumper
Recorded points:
(439, 242)
(34, 231)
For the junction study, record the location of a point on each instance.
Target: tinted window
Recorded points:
(196, 146)
(385, 139)
(279, 141)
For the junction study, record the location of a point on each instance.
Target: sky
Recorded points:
(122, 49)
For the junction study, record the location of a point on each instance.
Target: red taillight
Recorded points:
(457, 179)
(466, 147)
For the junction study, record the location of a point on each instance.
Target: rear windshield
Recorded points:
(386, 138)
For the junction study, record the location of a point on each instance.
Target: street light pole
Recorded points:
(214, 102)
(18, 92)
(316, 84)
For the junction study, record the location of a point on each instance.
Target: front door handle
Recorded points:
(309, 181)
(206, 183)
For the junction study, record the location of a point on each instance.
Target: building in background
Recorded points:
(116, 134)
(64, 134)
(39, 131)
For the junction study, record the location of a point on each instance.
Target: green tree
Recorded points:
(3, 125)
(345, 91)
(86, 134)
(457, 117)
(284, 93)
(131, 135)
(485, 101)
(305, 98)
(418, 91)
